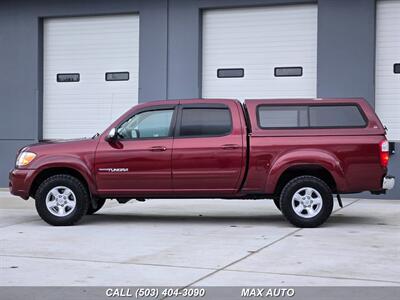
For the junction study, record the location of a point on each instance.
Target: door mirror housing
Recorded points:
(112, 135)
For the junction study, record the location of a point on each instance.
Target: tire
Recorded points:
(50, 196)
(277, 202)
(306, 201)
(100, 204)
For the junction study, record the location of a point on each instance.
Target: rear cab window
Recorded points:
(272, 116)
(205, 121)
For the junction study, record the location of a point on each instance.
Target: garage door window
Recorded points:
(230, 73)
(117, 76)
(288, 72)
(68, 77)
(396, 68)
(203, 122)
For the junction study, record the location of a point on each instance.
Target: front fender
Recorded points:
(316, 157)
(82, 166)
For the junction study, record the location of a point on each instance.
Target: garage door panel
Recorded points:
(100, 107)
(258, 40)
(90, 46)
(387, 83)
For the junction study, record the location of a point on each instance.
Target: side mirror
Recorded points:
(112, 135)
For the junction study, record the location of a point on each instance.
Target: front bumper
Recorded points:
(19, 182)
(388, 182)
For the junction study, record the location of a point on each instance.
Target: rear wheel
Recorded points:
(306, 201)
(91, 210)
(61, 200)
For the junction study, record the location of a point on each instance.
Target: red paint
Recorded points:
(216, 166)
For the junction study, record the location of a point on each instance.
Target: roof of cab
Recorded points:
(193, 100)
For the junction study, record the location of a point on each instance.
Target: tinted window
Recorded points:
(205, 122)
(313, 116)
(117, 76)
(282, 116)
(288, 71)
(230, 73)
(148, 124)
(336, 116)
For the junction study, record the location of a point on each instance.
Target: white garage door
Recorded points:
(387, 82)
(90, 73)
(268, 52)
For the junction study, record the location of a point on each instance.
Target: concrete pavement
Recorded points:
(200, 242)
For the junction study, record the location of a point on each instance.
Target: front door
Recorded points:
(138, 161)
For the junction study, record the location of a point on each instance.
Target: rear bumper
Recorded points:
(19, 182)
(388, 182)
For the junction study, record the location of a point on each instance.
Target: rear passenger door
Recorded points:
(207, 153)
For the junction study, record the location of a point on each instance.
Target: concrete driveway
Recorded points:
(200, 242)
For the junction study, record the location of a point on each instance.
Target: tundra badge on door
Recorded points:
(113, 170)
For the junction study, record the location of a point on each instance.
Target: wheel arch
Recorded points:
(315, 170)
(309, 161)
(48, 172)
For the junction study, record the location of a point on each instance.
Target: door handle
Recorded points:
(158, 148)
(230, 146)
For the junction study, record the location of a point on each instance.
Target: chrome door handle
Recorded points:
(158, 148)
(230, 146)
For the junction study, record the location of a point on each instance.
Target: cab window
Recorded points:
(205, 122)
(148, 124)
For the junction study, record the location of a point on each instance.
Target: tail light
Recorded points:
(384, 153)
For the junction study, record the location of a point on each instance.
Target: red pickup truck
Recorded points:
(298, 152)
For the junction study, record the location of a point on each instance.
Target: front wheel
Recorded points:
(306, 201)
(61, 200)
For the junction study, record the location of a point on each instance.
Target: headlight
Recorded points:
(24, 158)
